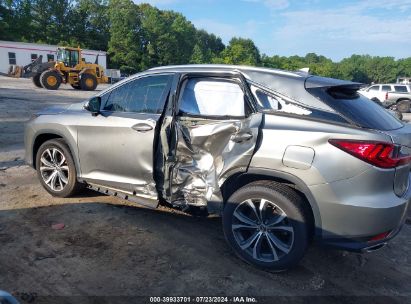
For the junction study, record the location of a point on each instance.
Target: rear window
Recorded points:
(357, 108)
(386, 88)
(402, 89)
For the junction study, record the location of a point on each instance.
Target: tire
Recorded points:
(65, 183)
(255, 245)
(36, 80)
(404, 106)
(50, 80)
(88, 82)
(76, 87)
(399, 115)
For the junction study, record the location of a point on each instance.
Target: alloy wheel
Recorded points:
(54, 169)
(262, 230)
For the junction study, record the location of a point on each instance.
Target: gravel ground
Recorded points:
(108, 247)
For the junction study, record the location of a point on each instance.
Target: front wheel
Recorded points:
(266, 225)
(56, 170)
(50, 80)
(88, 82)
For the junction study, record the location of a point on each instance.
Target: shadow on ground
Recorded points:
(120, 250)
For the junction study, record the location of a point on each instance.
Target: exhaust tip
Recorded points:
(374, 248)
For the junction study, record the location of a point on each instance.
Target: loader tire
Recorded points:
(36, 80)
(88, 82)
(50, 80)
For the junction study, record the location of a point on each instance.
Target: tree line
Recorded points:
(140, 36)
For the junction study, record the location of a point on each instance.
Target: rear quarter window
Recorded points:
(401, 89)
(357, 108)
(273, 104)
(373, 89)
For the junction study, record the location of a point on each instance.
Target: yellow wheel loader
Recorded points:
(69, 68)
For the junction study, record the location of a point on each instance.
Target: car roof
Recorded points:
(290, 84)
(227, 68)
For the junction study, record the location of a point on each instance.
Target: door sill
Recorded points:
(129, 196)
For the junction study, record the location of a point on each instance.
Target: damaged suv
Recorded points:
(283, 157)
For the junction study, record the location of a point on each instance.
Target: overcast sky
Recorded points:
(333, 28)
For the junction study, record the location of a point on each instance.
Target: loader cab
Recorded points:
(69, 56)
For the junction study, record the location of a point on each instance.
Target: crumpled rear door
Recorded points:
(209, 145)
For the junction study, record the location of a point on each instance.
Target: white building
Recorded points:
(22, 53)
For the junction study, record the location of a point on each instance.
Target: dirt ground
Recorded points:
(109, 247)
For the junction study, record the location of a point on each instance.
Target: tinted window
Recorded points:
(386, 88)
(50, 57)
(145, 95)
(374, 88)
(359, 109)
(12, 58)
(33, 57)
(400, 89)
(212, 97)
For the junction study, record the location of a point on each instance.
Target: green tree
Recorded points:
(91, 24)
(168, 37)
(15, 20)
(52, 20)
(125, 44)
(198, 56)
(240, 51)
(207, 47)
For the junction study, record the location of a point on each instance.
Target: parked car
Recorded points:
(391, 96)
(283, 157)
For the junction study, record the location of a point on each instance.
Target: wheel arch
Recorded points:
(403, 99)
(42, 137)
(238, 180)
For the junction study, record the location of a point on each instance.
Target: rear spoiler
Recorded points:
(313, 82)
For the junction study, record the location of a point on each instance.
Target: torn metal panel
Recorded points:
(206, 150)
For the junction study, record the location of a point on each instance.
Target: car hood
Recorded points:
(58, 109)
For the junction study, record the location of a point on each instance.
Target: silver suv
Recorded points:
(283, 157)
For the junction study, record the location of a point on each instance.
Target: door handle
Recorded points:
(240, 137)
(142, 127)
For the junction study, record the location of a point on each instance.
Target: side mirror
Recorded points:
(94, 105)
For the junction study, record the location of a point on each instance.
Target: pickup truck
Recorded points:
(391, 96)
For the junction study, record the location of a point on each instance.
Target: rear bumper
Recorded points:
(362, 244)
(354, 211)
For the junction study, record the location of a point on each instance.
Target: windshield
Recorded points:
(69, 57)
(63, 55)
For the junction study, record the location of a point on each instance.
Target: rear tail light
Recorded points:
(386, 96)
(379, 237)
(379, 154)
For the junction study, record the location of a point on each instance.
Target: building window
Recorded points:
(33, 57)
(12, 58)
(50, 57)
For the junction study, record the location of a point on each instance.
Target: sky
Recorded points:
(333, 28)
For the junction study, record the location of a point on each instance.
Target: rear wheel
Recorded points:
(36, 80)
(266, 225)
(50, 80)
(56, 169)
(88, 82)
(404, 106)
